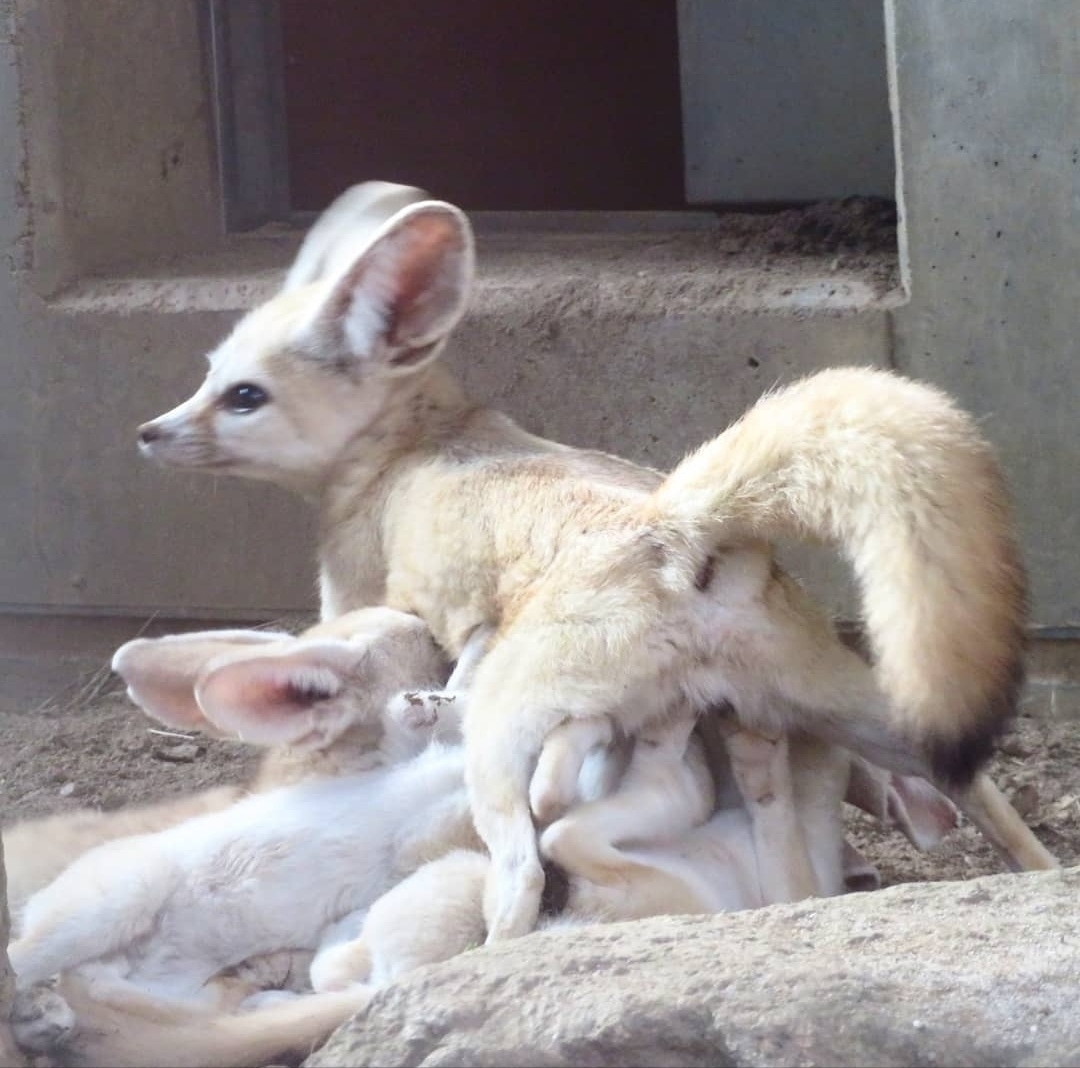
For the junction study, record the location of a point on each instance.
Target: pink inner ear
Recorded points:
(427, 289)
(920, 810)
(266, 700)
(161, 672)
(408, 289)
(174, 706)
(908, 802)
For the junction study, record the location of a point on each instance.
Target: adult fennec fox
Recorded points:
(613, 589)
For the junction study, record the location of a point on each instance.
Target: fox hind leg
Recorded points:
(554, 784)
(762, 771)
(817, 684)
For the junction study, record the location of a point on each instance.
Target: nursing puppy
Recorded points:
(149, 924)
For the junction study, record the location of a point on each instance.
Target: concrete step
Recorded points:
(640, 342)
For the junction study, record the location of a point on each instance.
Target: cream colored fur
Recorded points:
(616, 591)
(137, 971)
(142, 927)
(343, 230)
(157, 1034)
(662, 841)
(36, 851)
(645, 841)
(161, 675)
(688, 858)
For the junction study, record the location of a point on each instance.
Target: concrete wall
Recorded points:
(784, 101)
(115, 133)
(109, 160)
(111, 168)
(92, 528)
(988, 142)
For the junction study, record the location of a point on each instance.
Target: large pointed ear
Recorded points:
(350, 222)
(398, 301)
(161, 673)
(306, 695)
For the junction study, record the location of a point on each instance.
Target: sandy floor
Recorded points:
(100, 751)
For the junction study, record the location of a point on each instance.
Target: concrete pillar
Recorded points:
(988, 153)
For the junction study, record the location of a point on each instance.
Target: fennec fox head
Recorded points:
(315, 366)
(274, 689)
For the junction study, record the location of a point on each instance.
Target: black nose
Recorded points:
(149, 433)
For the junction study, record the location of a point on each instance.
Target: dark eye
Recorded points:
(244, 397)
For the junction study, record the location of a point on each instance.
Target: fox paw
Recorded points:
(340, 966)
(41, 1020)
(549, 798)
(418, 709)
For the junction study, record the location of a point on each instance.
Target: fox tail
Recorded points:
(892, 473)
(140, 1037)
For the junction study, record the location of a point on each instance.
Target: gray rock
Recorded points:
(985, 972)
(180, 752)
(9, 1054)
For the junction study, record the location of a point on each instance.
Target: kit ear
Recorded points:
(397, 302)
(161, 673)
(308, 693)
(915, 806)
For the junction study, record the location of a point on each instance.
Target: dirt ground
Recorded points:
(98, 750)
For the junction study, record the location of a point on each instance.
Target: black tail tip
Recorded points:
(958, 758)
(956, 761)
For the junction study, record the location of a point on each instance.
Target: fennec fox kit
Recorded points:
(143, 1005)
(615, 590)
(162, 675)
(140, 929)
(264, 840)
(147, 925)
(775, 836)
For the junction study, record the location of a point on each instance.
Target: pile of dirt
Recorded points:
(866, 224)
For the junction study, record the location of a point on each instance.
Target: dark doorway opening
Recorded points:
(522, 105)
